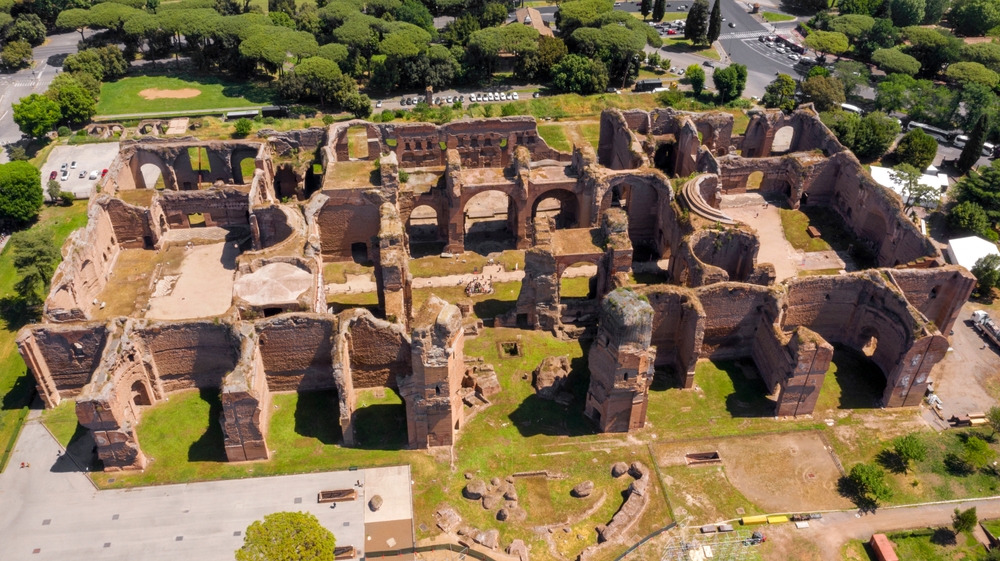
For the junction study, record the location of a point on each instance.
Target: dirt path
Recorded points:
(365, 283)
(962, 378)
(837, 528)
(774, 248)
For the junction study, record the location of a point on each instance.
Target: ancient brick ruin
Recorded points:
(652, 190)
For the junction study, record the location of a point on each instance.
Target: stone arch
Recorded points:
(486, 225)
(783, 138)
(236, 162)
(566, 214)
(140, 393)
(148, 168)
(426, 224)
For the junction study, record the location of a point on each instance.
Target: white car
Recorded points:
(794, 57)
(514, 96)
(64, 176)
(93, 174)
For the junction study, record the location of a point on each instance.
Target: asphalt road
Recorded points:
(47, 59)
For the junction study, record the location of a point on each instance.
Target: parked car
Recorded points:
(63, 167)
(708, 63)
(53, 175)
(378, 103)
(104, 172)
(93, 174)
(536, 94)
(671, 32)
(514, 96)
(73, 165)
(83, 174)
(65, 175)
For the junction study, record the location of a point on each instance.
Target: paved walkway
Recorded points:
(836, 528)
(51, 510)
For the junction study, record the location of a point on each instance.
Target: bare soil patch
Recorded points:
(157, 93)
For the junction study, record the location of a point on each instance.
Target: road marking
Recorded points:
(743, 35)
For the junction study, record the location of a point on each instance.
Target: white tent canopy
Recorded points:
(966, 251)
(886, 178)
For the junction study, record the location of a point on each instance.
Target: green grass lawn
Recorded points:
(122, 97)
(591, 132)
(16, 386)
(938, 544)
(776, 17)
(682, 45)
(462, 263)
(555, 137)
(61, 421)
(795, 223)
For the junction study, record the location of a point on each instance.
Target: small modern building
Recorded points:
(882, 548)
(966, 251)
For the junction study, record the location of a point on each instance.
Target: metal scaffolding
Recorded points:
(692, 545)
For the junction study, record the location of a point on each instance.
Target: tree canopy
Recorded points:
(578, 74)
(287, 536)
(827, 42)
(730, 81)
(916, 148)
(36, 115)
(965, 72)
(895, 61)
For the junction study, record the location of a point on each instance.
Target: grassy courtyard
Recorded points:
(125, 97)
(16, 386)
(928, 544)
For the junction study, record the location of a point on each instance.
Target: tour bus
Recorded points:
(852, 108)
(939, 134)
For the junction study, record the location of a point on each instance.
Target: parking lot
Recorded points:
(88, 157)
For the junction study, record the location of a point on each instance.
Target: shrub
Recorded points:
(243, 127)
(269, 120)
(328, 120)
(917, 148)
(64, 131)
(403, 176)
(66, 197)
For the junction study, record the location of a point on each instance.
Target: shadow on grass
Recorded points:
(536, 416)
(944, 537)
(492, 308)
(861, 381)
(316, 415)
(20, 393)
(420, 249)
(211, 446)
(665, 378)
(749, 397)
(836, 233)
(380, 426)
(849, 490)
(891, 461)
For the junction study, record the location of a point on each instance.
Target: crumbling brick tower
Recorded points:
(433, 405)
(392, 266)
(621, 363)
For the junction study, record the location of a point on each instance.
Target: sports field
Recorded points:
(154, 94)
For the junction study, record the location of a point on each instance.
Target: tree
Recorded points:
(659, 8)
(859, 7)
(914, 192)
(883, 35)
(287, 536)
(826, 92)
(895, 61)
(987, 54)
(966, 72)
(869, 484)
(415, 12)
(964, 520)
(818, 71)
(854, 26)
(968, 216)
(578, 74)
(909, 449)
(730, 81)
(908, 12)
(645, 7)
(53, 189)
(74, 19)
(852, 75)
(16, 54)
(20, 192)
(715, 23)
(917, 148)
(934, 48)
(973, 18)
(494, 14)
(875, 134)
(974, 146)
(243, 127)
(696, 77)
(976, 452)
(35, 258)
(537, 65)
(934, 10)
(36, 114)
(987, 273)
(29, 28)
(76, 105)
(780, 93)
(827, 42)
(696, 28)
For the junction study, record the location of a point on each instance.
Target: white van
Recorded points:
(851, 108)
(961, 140)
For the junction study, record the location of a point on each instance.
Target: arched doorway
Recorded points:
(578, 293)
(782, 140)
(560, 205)
(424, 231)
(490, 222)
(150, 177)
(244, 164)
(140, 394)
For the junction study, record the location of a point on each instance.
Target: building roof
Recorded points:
(885, 178)
(966, 251)
(532, 17)
(883, 548)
